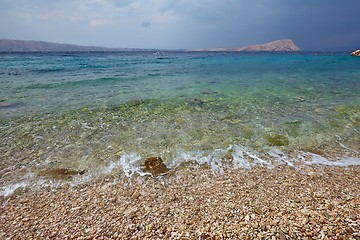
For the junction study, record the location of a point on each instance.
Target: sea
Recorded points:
(84, 115)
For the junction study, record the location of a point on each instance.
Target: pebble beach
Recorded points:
(306, 202)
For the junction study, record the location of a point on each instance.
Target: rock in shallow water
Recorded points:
(60, 173)
(196, 102)
(155, 166)
(276, 139)
(10, 104)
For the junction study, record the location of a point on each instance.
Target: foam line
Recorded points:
(319, 160)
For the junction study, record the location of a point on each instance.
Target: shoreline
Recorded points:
(313, 202)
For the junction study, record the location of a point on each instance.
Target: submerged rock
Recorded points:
(208, 92)
(196, 102)
(9, 104)
(276, 139)
(155, 166)
(60, 173)
(356, 53)
(135, 103)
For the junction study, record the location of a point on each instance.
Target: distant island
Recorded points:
(283, 45)
(9, 45)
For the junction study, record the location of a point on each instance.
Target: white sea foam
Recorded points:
(345, 147)
(320, 160)
(211, 158)
(129, 163)
(280, 157)
(245, 158)
(9, 189)
(242, 158)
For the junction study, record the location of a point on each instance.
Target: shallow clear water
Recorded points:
(92, 111)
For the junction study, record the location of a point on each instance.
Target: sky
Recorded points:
(184, 24)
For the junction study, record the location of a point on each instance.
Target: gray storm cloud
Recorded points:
(314, 25)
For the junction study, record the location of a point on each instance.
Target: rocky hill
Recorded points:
(356, 53)
(8, 45)
(279, 45)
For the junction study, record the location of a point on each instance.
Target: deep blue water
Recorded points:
(57, 82)
(88, 110)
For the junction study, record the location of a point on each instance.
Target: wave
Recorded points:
(219, 160)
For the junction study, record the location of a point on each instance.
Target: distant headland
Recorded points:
(283, 45)
(9, 45)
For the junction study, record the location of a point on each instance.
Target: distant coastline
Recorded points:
(10, 45)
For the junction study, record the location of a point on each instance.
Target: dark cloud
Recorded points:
(313, 25)
(317, 25)
(146, 24)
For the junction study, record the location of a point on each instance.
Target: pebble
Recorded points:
(258, 211)
(135, 195)
(149, 227)
(305, 212)
(348, 229)
(282, 236)
(131, 212)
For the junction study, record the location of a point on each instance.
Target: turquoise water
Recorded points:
(94, 111)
